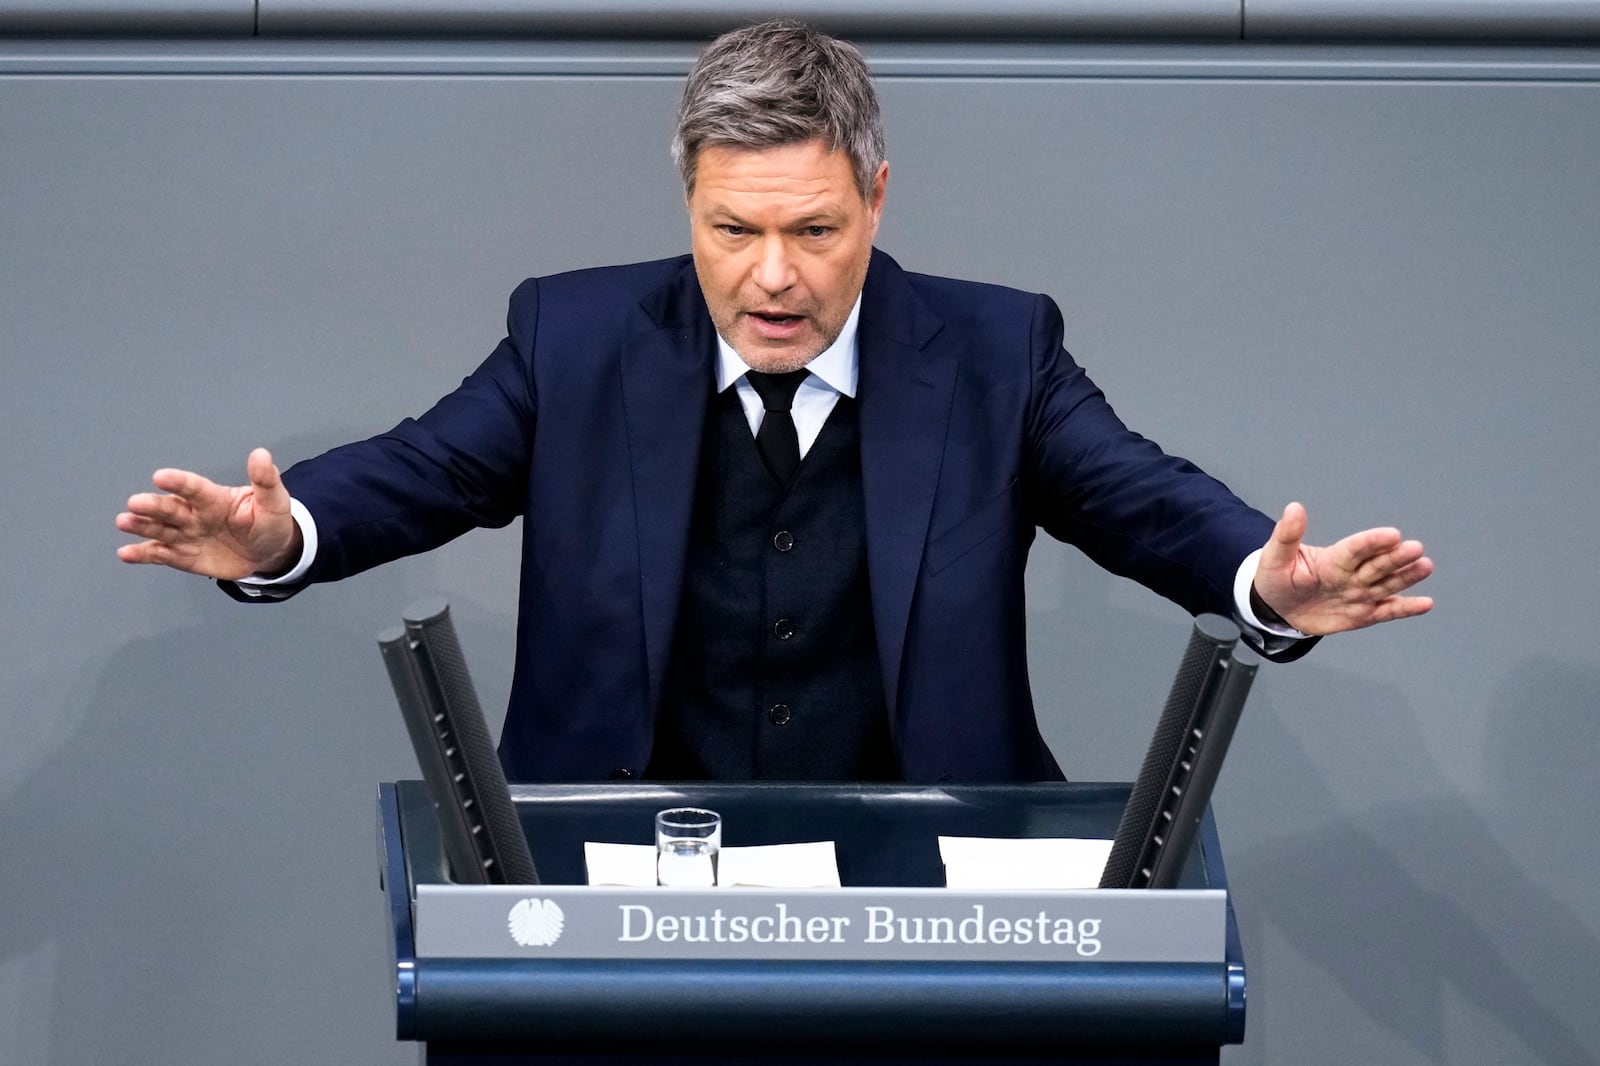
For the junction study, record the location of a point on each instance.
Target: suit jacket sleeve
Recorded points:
(1132, 508)
(462, 464)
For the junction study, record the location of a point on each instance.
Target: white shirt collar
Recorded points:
(837, 366)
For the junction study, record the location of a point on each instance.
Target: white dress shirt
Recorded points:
(833, 374)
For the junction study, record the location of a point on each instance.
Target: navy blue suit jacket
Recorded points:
(976, 429)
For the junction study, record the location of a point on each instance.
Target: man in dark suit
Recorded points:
(778, 495)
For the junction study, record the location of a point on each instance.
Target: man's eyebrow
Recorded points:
(826, 216)
(720, 214)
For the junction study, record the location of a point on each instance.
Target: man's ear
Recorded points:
(880, 189)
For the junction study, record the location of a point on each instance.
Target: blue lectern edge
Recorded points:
(396, 879)
(396, 885)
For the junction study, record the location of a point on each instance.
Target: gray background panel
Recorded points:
(1216, 19)
(1491, 20)
(1376, 20)
(147, 17)
(1374, 294)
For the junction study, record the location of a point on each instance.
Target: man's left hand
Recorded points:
(1351, 584)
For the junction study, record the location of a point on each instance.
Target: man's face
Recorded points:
(781, 242)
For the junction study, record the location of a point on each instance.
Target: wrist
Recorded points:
(285, 560)
(1264, 611)
(294, 562)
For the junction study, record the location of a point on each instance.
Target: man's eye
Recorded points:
(818, 231)
(733, 231)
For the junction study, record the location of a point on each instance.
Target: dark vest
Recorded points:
(774, 672)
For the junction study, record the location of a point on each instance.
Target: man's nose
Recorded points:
(774, 269)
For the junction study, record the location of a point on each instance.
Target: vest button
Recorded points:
(783, 540)
(783, 629)
(779, 714)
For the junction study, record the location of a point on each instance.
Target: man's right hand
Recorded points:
(221, 531)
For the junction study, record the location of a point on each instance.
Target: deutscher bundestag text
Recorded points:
(879, 925)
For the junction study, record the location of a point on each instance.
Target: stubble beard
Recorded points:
(781, 359)
(784, 360)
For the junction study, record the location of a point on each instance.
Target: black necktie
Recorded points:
(776, 439)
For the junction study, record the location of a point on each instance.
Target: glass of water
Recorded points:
(687, 842)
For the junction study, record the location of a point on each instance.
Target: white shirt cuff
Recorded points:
(308, 554)
(1241, 600)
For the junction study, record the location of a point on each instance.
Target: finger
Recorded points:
(160, 507)
(1284, 544)
(258, 466)
(1406, 576)
(1379, 567)
(1358, 549)
(183, 483)
(1397, 607)
(148, 528)
(266, 482)
(148, 551)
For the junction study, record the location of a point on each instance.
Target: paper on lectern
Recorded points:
(1033, 863)
(810, 865)
(626, 865)
(807, 865)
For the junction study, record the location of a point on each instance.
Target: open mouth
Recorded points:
(776, 326)
(775, 318)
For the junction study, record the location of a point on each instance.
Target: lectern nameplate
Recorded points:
(848, 924)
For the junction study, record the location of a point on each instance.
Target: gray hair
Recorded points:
(779, 83)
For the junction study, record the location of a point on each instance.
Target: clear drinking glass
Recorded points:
(687, 842)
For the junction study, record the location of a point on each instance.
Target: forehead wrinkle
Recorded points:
(797, 217)
(792, 179)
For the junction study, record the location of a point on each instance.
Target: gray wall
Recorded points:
(1363, 279)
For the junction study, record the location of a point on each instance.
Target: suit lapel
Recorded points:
(904, 394)
(667, 380)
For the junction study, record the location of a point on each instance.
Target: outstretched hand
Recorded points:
(1353, 583)
(221, 531)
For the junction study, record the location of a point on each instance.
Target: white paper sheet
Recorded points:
(1035, 862)
(629, 865)
(809, 865)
